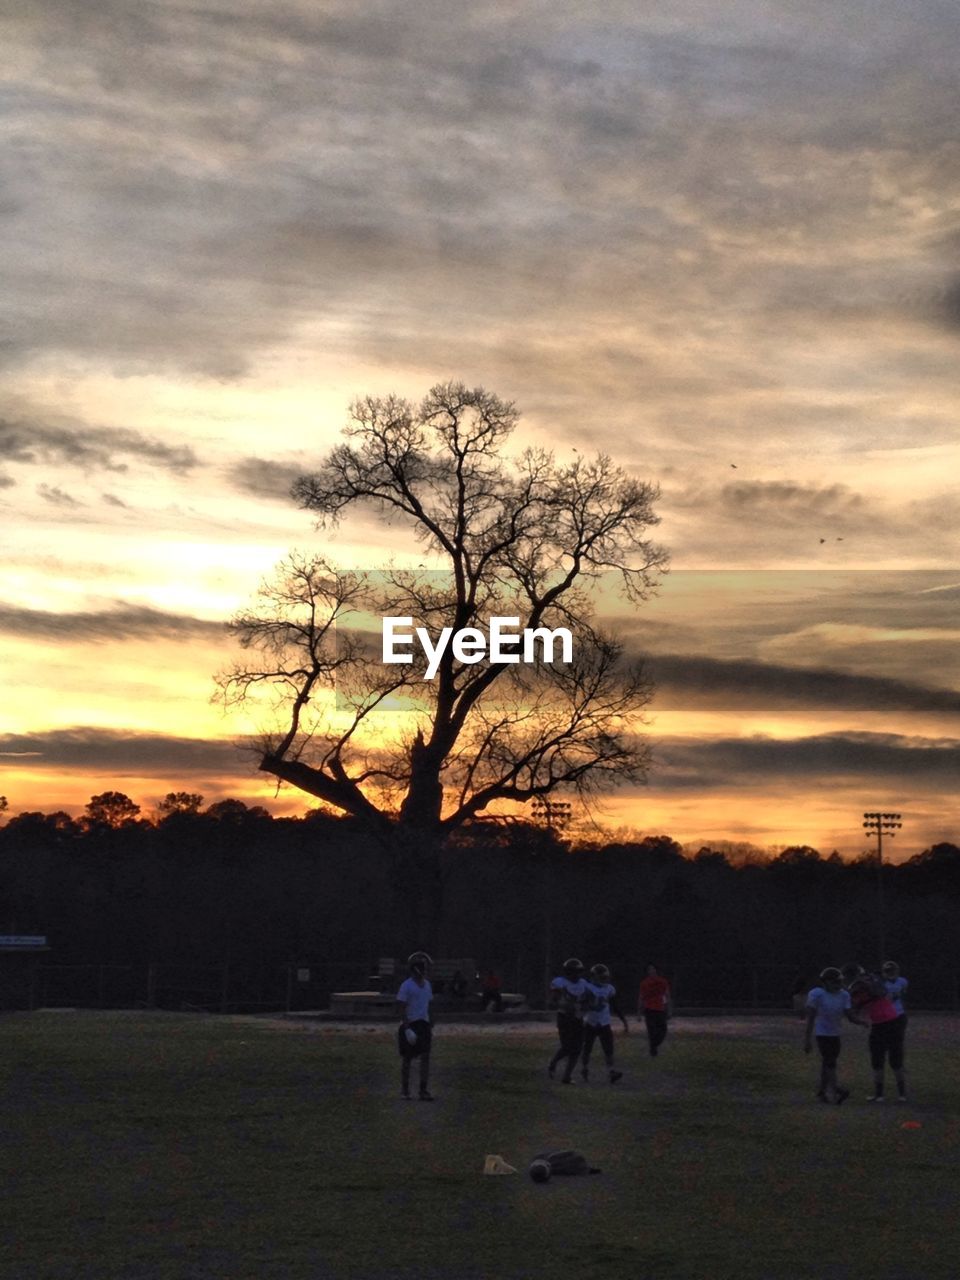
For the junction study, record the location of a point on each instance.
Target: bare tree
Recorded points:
(519, 536)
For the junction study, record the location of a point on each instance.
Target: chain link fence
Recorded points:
(306, 986)
(214, 988)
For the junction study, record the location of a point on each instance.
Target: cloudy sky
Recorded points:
(719, 241)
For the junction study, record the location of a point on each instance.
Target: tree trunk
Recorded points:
(418, 882)
(417, 846)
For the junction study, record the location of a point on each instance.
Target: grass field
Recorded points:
(177, 1147)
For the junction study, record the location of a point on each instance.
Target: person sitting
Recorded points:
(458, 985)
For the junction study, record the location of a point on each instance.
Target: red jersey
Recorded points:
(876, 1008)
(654, 992)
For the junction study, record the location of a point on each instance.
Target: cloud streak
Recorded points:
(98, 750)
(263, 478)
(738, 763)
(692, 680)
(38, 443)
(124, 622)
(57, 497)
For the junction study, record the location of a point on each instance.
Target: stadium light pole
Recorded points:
(552, 815)
(880, 824)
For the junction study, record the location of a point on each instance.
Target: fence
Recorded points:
(223, 988)
(234, 987)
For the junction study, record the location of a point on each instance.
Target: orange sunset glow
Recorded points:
(719, 246)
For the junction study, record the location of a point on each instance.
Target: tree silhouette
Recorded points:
(179, 802)
(111, 809)
(520, 536)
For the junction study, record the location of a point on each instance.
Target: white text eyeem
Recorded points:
(505, 643)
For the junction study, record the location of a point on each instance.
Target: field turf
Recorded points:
(183, 1147)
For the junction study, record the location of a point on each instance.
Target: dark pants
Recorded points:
(604, 1035)
(829, 1047)
(421, 1050)
(570, 1030)
(656, 1020)
(494, 998)
(886, 1042)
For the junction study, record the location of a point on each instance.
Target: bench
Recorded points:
(380, 1001)
(367, 1004)
(390, 973)
(385, 979)
(441, 974)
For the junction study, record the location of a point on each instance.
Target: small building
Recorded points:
(20, 959)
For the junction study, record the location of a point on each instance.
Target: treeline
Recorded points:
(230, 882)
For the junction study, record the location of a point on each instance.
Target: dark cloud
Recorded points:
(125, 622)
(948, 594)
(734, 763)
(112, 500)
(823, 614)
(948, 310)
(690, 680)
(265, 479)
(792, 516)
(57, 497)
(789, 500)
(7, 482)
(125, 752)
(112, 449)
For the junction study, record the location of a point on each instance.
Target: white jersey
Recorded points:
(599, 1015)
(575, 997)
(417, 999)
(896, 989)
(829, 1007)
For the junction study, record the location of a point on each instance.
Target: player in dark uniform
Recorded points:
(654, 1007)
(896, 985)
(571, 996)
(597, 1023)
(871, 1001)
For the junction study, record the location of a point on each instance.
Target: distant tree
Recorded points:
(707, 857)
(236, 812)
(796, 856)
(179, 802)
(111, 809)
(3, 807)
(662, 848)
(29, 825)
(518, 536)
(944, 854)
(936, 869)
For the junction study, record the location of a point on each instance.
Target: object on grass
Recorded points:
(911, 1124)
(497, 1164)
(562, 1163)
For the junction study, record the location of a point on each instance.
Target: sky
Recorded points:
(719, 242)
